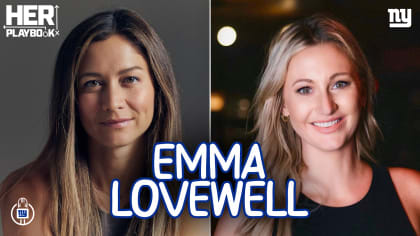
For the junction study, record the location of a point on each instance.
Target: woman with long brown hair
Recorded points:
(113, 97)
(315, 124)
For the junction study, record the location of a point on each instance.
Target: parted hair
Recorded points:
(72, 209)
(280, 144)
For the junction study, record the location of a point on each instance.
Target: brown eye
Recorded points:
(131, 80)
(92, 83)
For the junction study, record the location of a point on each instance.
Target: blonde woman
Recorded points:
(114, 96)
(315, 123)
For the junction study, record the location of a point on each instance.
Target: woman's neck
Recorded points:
(334, 178)
(122, 163)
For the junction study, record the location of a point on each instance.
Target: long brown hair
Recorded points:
(280, 144)
(73, 210)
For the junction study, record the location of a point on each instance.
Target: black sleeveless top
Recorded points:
(113, 226)
(379, 213)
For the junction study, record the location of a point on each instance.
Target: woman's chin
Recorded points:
(330, 144)
(117, 142)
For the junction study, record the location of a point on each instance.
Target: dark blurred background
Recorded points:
(27, 65)
(394, 55)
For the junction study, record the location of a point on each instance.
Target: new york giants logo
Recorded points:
(22, 212)
(399, 18)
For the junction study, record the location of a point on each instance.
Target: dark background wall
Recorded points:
(27, 67)
(394, 55)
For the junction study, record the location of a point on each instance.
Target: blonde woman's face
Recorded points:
(116, 94)
(321, 96)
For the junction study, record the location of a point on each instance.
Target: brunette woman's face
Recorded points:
(116, 93)
(321, 96)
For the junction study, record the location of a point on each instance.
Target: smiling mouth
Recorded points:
(327, 124)
(116, 123)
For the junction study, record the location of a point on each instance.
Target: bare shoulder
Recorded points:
(35, 188)
(227, 225)
(407, 184)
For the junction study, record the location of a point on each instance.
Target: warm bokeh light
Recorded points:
(243, 104)
(226, 36)
(217, 102)
(289, 5)
(281, 7)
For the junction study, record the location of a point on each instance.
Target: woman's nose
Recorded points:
(112, 98)
(327, 104)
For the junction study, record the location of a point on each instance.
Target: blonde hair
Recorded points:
(280, 144)
(72, 210)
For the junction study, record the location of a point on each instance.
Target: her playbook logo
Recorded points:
(33, 21)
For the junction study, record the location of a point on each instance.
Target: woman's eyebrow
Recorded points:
(339, 74)
(130, 69)
(331, 77)
(89, 74)
(302, 80)
(94, 74)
